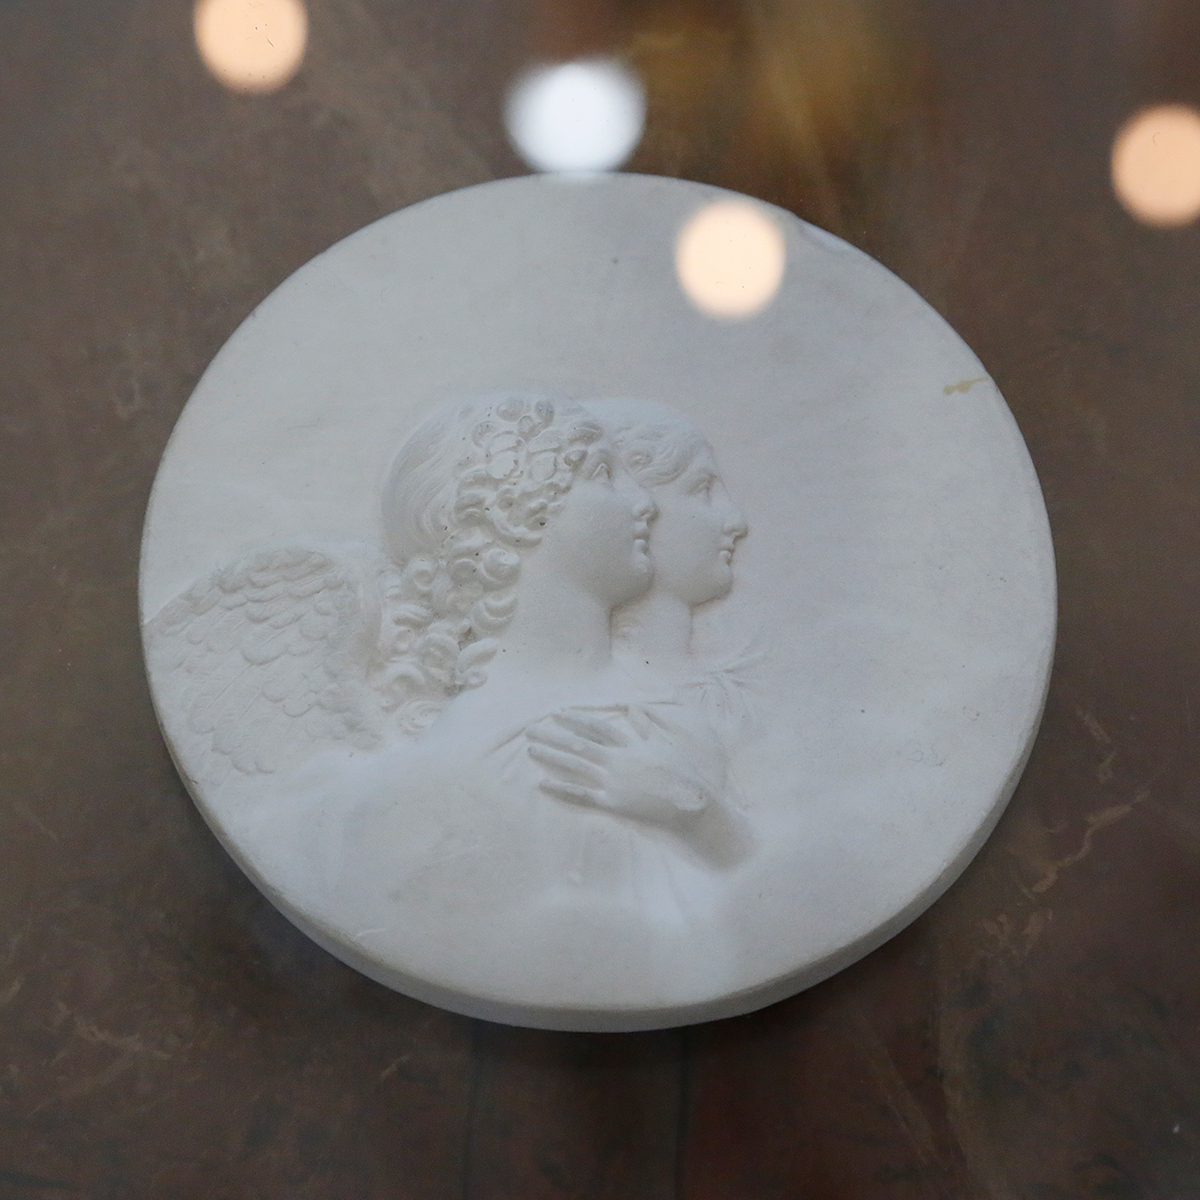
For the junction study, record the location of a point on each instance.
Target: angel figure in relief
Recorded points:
(475, 651)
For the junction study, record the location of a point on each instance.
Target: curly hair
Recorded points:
(474, 486)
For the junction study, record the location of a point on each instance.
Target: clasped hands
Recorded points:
(632, 760)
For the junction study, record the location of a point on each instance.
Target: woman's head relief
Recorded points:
(698, 524)
(599, 541)
(476, 490)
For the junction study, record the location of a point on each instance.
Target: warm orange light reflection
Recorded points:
(1156, 165)
(730, 258)
(251, 45)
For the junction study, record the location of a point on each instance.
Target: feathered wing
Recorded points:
(267, 661)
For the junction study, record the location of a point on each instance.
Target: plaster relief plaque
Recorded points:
(553, 651)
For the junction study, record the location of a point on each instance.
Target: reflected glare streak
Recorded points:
(1156, 166)
(576, 117)
(252, 46)
(730, 258)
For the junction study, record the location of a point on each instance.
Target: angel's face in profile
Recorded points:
(600, 539)
(698, 526)
(697, 530)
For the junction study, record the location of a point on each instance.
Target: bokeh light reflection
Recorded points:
(1156, 166)
(730, 259)
(576, 117)
(252, 46)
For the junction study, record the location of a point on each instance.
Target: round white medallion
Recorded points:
(557, 649)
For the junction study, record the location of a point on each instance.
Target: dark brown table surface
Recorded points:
(164, 1032)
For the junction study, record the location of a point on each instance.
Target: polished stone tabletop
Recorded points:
(166, 1033)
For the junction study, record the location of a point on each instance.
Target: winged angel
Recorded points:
(531, 610)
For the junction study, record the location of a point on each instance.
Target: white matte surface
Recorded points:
(852, 712)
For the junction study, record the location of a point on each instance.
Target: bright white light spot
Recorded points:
(251, 45)
(1156, 165)
(579, 116)
(730, 258)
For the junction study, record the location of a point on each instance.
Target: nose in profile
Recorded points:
(645, 509)
(735, 522)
